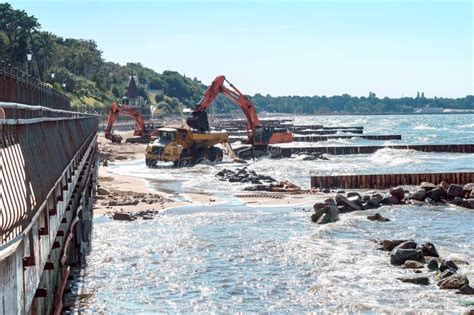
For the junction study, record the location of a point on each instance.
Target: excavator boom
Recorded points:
(257, 135)
(114, 112)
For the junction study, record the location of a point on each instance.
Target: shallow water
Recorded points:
(231, 258)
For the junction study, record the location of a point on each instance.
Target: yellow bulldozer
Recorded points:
(185, 147)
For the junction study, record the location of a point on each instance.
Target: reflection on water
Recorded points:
(231, 258)
(237, 259)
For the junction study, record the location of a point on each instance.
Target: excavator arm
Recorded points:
(198, 119)
(114, 112)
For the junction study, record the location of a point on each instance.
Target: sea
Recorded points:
(238, 258)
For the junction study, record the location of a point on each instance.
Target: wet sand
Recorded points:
(129, 189)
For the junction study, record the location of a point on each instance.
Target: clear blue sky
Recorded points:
(392, 48)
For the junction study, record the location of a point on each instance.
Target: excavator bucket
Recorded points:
(198, 121)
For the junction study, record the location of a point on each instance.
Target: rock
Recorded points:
(355, 199)
(319, 205)
(432, 265)
(389, 245)
(366, 198)
(342, 209)
(418, 195)
(469, 187)
(458, 201)
(447, 273)
(326, 191)
(427, 186)
(466, 289)
(147, 217)
(423, 280)
(455, 191)
(412, 264)
(455, 281)
(327, 214)
(101, 191)
(407, 245)
(340, 191)
(377, 217)
(429, 249)
(444, 184)
(390, 200)
(330, 201)
(122, 217)
(448, 264)
(354, 194)
(398, 192)
(343, 201)
(437, 194)
(398, 256)
(468, 203)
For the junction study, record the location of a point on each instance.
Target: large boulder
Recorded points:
(429, 249)
(389, 245)
(466, 289)
(101, 191)
(412, 264)
(408, 245)
(398, 192)
(455, 191)
(419, 195)
(437, 194)
(458, 201)
(448, 264)
(422, 280)
(343, 201)
(122, 217)
(427, 186)
(455, 281)
(327, 214)
(468, 203)
(433, 265)
(377, 217)
(399, 256)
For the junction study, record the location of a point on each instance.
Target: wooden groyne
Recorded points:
(297, 138)
(383, 181)
(343, 150)
(326, 138)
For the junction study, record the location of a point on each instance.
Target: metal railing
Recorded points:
(19, 87)
(37, 145)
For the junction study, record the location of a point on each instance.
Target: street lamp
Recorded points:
(52, 76)
(64, 87)
(29, 56)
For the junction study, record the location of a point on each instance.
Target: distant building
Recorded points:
(134, 98)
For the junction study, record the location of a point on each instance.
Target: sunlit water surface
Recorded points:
(232, 258)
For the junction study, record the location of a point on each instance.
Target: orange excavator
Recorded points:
(258, 136)
(142, 129)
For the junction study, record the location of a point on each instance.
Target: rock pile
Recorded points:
(123, 216)
(426, 193)
(131, 199)
(329, 210)
(410, 255)
(260, 182)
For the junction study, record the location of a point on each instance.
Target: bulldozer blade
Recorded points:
(198, 121)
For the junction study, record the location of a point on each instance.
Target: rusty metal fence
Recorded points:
(37, 145)
(19, 87)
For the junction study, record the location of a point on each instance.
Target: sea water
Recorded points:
(232, 258)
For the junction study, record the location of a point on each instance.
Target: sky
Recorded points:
(393, 48)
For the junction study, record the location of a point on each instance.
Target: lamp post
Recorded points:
(52, 77)
(29, 56)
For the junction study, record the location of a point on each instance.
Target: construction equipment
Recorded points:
(145, 130)
(185, 147)
(259, 136)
